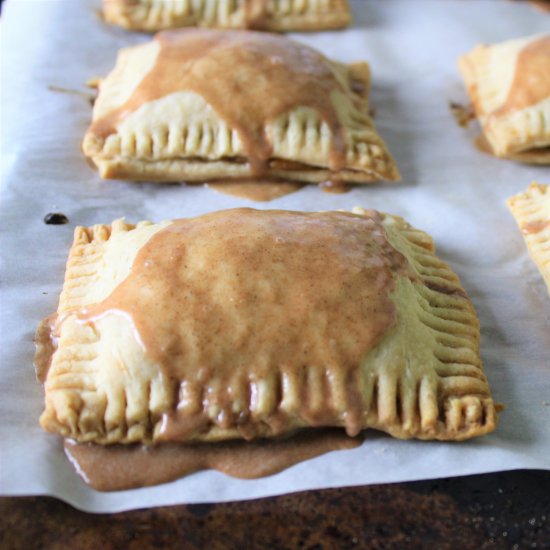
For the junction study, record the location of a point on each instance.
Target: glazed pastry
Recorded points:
(532, 212)
(242, 324)
(509, 86)
(268, 15)
(202, 105)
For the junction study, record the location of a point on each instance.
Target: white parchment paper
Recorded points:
(449, 189)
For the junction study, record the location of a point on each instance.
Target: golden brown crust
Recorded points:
(531, 210)
(424, 380)
(271, 15)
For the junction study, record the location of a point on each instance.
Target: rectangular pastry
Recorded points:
(509, 86)
(531, 210)
(201, 105)
(268, 15)
(243, 324)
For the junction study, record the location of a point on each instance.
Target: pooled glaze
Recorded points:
(249, 79)
(335, 187)
(235, 302)
(256, 191)
(256, 14)
(120, 467)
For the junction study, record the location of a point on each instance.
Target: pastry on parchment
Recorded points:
(268, 15)
(200, 106)
(509, 86)
(242, 324)
(531, 210)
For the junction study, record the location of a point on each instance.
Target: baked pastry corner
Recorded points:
(531, 210)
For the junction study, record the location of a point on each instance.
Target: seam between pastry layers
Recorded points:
(448, 398)
(271, 15)
(531, 210)
(199, 171)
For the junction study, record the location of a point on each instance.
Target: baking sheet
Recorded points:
(449, 189)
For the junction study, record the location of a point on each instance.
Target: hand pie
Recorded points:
(268, 15)
(509, 85)
(532, 212)
(202, 105)
(242, 324)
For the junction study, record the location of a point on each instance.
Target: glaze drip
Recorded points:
(245, 310)
(249, 79)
